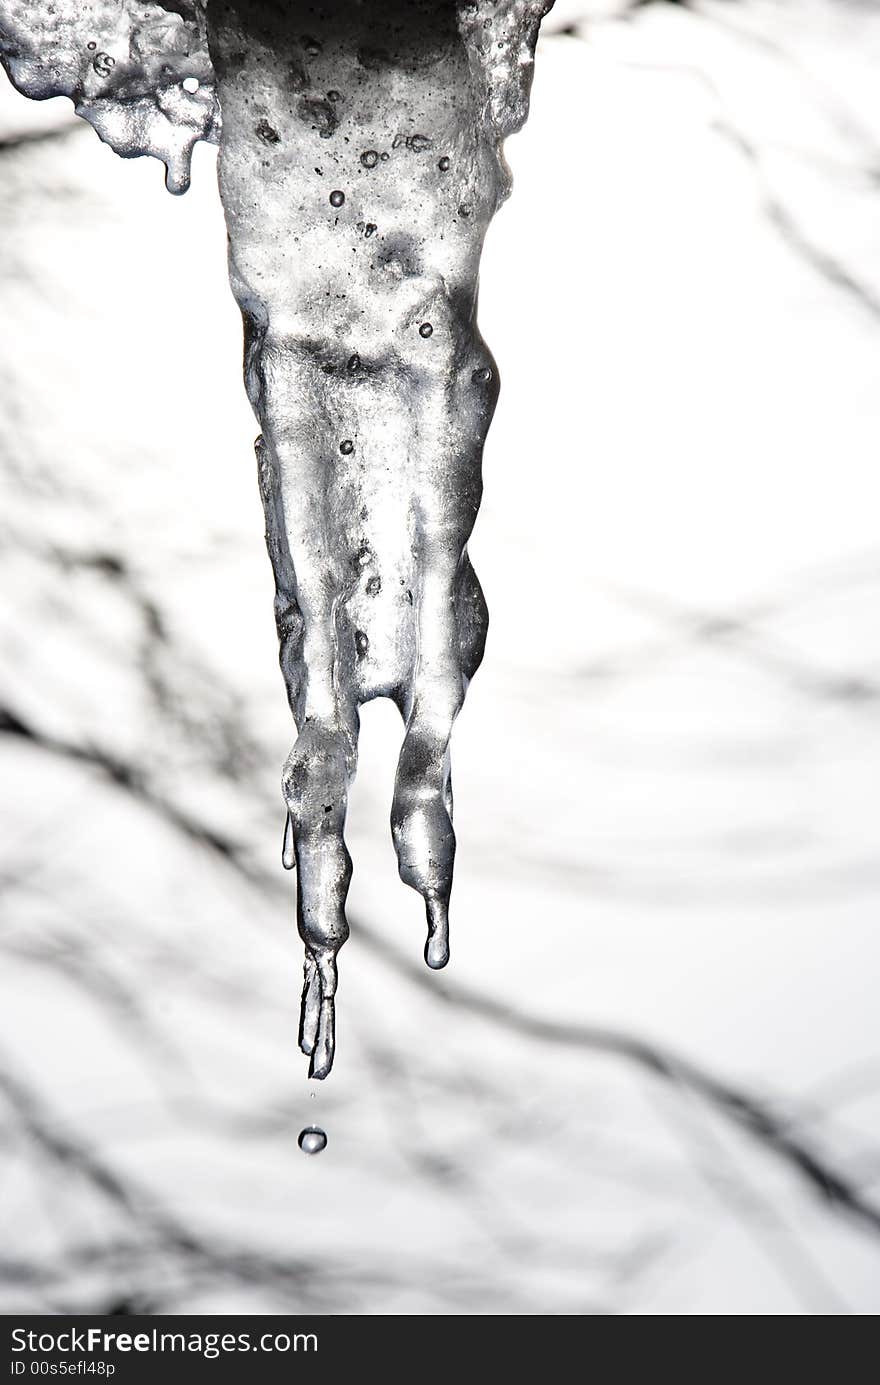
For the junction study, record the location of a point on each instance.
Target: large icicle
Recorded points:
(140, 73)
(360, 164)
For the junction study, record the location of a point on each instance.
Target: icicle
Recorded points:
(360, 164)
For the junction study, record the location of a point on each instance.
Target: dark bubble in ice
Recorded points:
(384, 157)
(369, 158)
(334, 96)
(103, 64)
(370, 229)
(311, 45)
(419, 142)
(91, 46)
(362, 643)
(443, 164)
(319, 114)
(374, 586)
(426, 329)
(354, 362)
(312, 1140)
(267, 133)
(346, 447)
(337, 198)
(464, 209)
(482, 376)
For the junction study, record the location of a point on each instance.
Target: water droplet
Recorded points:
(288, 855)
(482, 376)
(312, 1140)
(103, 64)
(346, 447)
(337, 198)
(443, 164)
(426, 329)
(190, 84)
(369, 158)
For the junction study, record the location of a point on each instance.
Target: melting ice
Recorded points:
(360, 164)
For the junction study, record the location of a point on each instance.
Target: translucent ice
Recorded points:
(140, 73)
(360, 164)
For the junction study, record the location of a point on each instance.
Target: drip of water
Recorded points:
(364, 365)
(312, 1140)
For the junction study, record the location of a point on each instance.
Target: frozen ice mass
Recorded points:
(360, 165)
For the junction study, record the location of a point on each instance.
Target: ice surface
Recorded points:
(361, 163)
(140, 73)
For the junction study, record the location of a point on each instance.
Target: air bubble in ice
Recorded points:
(337, 198)
(426, 329)
(482, 376)
(312, 1140)
(369, 158)
(346, 447)
(443, 164)
(103, 64)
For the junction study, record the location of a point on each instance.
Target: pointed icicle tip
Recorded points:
(288, 854)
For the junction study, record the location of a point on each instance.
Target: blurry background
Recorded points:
(649, 1081)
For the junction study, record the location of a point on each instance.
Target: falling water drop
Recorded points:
(312, 1139)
